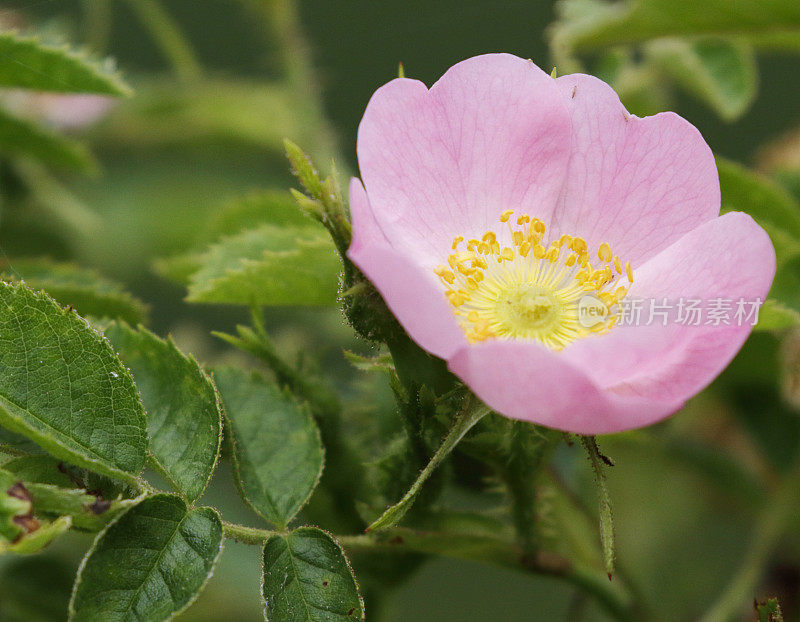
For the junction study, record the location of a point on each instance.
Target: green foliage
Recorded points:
(88, 292)
(36, 540)
(591, 24)
(268, 266)
(706, 48)
(148, 565)
(184, 417)
(775, 316)
(462, 424)
(20, 137)
(277, 450)
(97, 422)
(29, 63)
(769, 611)
(307, 578)
(607, 540)
(719, 72)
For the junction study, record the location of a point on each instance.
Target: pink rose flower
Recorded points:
(501, 206)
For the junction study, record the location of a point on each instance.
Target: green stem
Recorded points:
(529, 450)
(246, 535)
(606, 516)
(465, 420)
(495, 551)
(770, 526)
(170, 39)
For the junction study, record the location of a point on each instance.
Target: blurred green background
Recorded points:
(172, 155)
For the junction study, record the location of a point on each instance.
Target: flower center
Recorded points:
(549, 292)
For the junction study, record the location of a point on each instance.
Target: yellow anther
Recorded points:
(456, 299)
(604, 252)
(445, 274)
(494, 299)
(578, 245)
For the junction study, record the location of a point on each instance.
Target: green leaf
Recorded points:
(20, 137)
(307, 578)
(182, 406)
(36, 540)
(259, 207)
(775, 316)
(767, 202)
(269, 266)
(721, 73)
(85, 290)
(592, 24)
(463, 423)
(148, 565)
(278, 454)
(607, 540)
(31, 64)
(62, 386)
(41, 469)
(263, 207)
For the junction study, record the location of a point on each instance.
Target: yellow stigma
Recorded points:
(533, 288)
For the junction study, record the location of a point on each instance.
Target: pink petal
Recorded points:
(492, 134)
(638, 184)
(413, 294)
(524, 380)
(728, 258)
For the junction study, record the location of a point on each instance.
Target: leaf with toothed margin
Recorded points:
(31, 64)
(269, 266)
(62, 386)
(148, 565)
(184, 417)
(277, 451)
(86, 290)
(308, 578)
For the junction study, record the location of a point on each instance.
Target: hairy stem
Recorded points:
(246, 535)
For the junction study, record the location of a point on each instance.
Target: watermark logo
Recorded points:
(592, 311)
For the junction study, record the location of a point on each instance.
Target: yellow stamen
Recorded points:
(535, 288)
